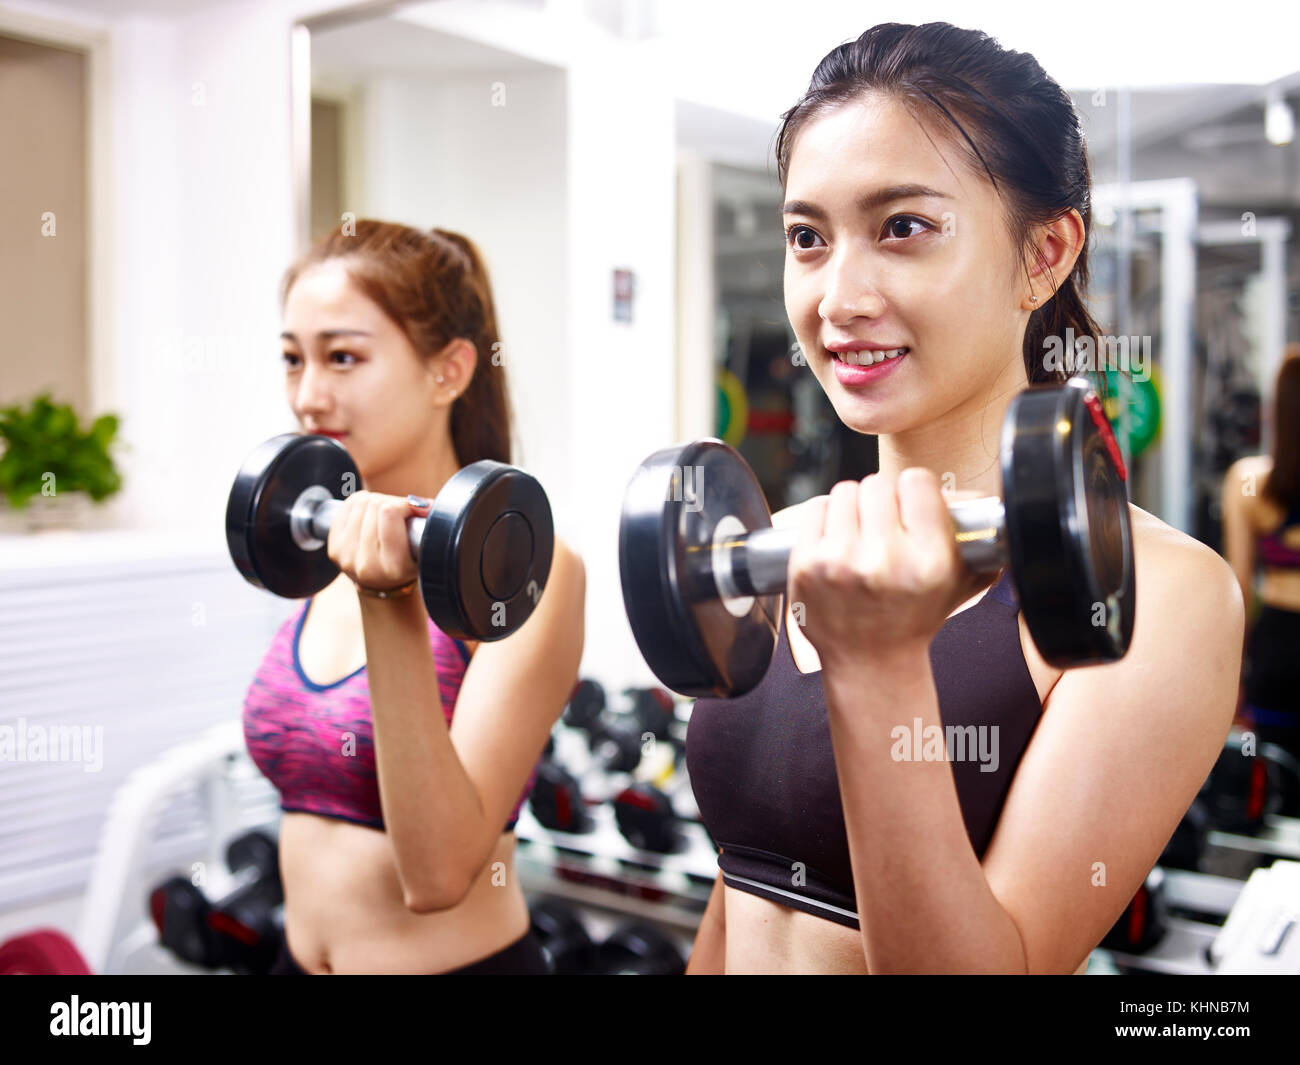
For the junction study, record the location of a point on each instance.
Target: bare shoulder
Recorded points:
(1243, 480)
(1160, 549)
(567, 568)
(1257, 465)
(1188, 583)
(570, 557)
(562, 600)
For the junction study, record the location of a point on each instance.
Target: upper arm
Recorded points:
(1239, 486)
(515, 688)
(1118, 756)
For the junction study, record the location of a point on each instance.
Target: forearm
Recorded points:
(924, 903)
(432, 811)
(709, 952)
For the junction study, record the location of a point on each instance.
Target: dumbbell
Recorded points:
(1187, 845)
(646, 819)
(1237, 792)
(238, 931)
(564, 938)
(615, 744)
(1284, 778)
(652, 708)
(484, 551)
(639, 949)
(665, 765)
(703, 569)
(655, 715)
(556, 800)
(585, 704)
(1142, 924)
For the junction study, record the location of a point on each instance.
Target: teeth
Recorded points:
(866, 357)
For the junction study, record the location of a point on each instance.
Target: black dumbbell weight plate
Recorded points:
(486, 551)
(645, 819)
(564, 938)
(257, 514)
(690, 638)
(585, 704)
(1067, 525)
(639, 949)
(556, 800)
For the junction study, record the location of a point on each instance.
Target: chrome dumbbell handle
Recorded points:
(757, 562)
(314, 512)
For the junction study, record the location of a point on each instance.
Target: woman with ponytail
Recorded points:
(1261, 530)
(397, 841)
(936, 204)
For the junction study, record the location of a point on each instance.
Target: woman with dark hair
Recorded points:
(397, 842)
(936, 203)
(1261, 528)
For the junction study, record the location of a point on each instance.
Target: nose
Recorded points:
(849, 292)
(313, 398)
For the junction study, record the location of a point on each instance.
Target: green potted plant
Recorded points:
(50, 469)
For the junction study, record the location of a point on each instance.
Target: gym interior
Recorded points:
(165, 514)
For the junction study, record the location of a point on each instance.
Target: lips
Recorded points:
(866, 375)
(867, 356)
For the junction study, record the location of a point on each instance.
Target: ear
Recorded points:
(1057, 246)
(456, 362)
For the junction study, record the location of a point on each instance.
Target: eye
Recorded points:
(891, 227)
(795, 235)
(343, 355)
(290, 360)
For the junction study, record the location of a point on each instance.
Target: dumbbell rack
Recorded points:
(1251, 929)
(600, 868)
(1279, 838)
(114, 934)
(1182, 949)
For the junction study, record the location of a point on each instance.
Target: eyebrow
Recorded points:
(869, 202)
(329, 334)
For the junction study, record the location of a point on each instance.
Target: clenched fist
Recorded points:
(876, 567)
(368, 540)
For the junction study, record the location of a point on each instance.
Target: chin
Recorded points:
(870, 420)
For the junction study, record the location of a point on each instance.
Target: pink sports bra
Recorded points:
(1273, 552)
(315, 742)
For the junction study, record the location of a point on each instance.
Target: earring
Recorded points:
(440, 379)
(1033, 299)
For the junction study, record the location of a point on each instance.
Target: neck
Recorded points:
(962, 445)
(423, 473)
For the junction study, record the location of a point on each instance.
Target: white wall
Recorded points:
(443, 153)
(621, 201)
(575, 180)
(192, 227)
(569, 180)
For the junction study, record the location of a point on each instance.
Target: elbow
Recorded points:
(445, 893)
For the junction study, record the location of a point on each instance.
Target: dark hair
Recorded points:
(1016, 124)
(434, 286)
(1283, 481)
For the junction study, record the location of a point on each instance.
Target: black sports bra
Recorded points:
(763, 771)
